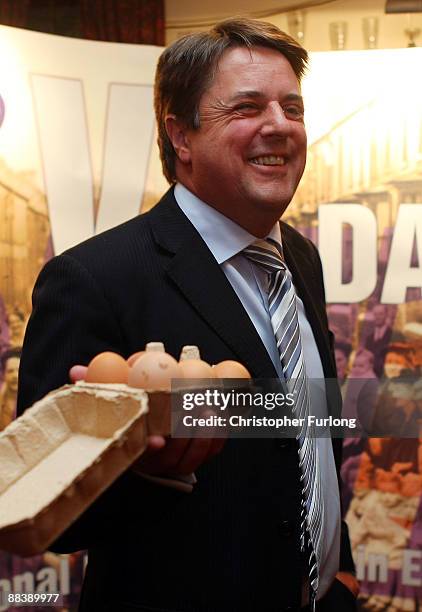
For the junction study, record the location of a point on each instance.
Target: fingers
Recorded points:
(216, 447)
(77, 372)
(156, 443)
(164, 460)
(168, 456)
(178, 455)
(349, 581)
(194, 456)
(200, 449)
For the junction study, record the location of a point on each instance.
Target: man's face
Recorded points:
(394, 365)
(15, 324)
(11, 373)
(361, 366)
(248, 155)
(341, 363)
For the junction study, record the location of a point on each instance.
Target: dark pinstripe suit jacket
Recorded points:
(232, 544)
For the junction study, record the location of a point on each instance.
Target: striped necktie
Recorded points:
(285, 323)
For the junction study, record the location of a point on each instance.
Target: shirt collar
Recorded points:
(223, 237)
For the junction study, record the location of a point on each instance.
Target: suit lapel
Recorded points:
(194, 270)
(303, 274)
(192, 267)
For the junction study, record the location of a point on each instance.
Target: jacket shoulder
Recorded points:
(128, 242)
(296, 241)
(294, 237)
(112, 240)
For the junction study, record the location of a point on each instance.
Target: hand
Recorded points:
(349, 582)
(167, 456)
(78, 372)
(177, 456)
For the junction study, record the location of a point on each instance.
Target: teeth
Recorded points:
(268, 160)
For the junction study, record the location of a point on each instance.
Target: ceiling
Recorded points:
(191, 13)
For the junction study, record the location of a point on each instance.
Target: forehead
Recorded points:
(362, 358)
(242, 67)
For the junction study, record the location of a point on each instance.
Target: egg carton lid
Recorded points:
(61, 454)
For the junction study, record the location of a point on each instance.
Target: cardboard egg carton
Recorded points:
(159, 417)
(63, 452)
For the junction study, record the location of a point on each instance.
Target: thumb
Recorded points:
(77, 372)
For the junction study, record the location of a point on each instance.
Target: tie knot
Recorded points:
(267, 254)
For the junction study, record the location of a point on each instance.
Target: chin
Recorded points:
(274, 196)
(277, 205)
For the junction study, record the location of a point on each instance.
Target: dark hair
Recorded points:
(404, 350)
(344, 347)
(363, 352)
(187, 67)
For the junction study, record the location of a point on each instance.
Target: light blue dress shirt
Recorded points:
(226, 241)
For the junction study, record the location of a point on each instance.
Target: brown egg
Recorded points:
(107, 367)
(131, 360)
(230, 369)
(154, 371)
(196, 368)
(197, 374)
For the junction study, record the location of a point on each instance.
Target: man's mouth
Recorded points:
(268, 160)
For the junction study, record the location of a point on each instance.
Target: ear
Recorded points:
(177, 132)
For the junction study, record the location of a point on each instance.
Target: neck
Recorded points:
(256, 221)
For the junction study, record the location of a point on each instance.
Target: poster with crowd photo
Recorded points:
(361, 197)
(78, 155)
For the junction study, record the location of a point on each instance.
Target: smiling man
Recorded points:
(199, 525)
(252, 138)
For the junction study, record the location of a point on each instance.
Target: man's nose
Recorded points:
(275, 121)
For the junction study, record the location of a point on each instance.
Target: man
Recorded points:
(379, 339)
(16, 322)
(10, 365)
(360, 396)
(342, 352)
(231, 135)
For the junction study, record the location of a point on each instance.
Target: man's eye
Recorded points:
(294, 112)
(246, 106)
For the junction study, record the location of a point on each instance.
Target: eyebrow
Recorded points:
(251, 93)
